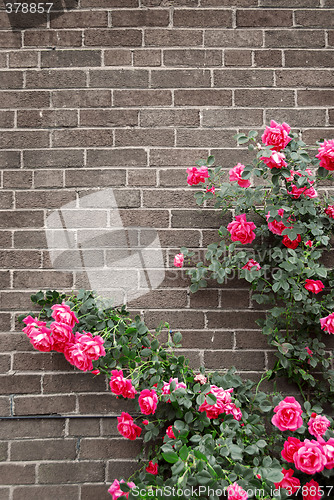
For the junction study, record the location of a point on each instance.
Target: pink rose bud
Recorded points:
(152, 468)
(96, 372)
(170, 432)
(178, 260)
(200, 378)
(145, 422)
(309, 243)
(314, 286)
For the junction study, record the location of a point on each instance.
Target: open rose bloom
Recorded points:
(242, 230)
(288, 415)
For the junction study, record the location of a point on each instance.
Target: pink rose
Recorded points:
(170, 432)
(291, 243)
(314, 286)
(152, 468)
(288, 415)
(276, 135)
(178, 260)
(166, 387)
(115, 489)
(309, 243)
(318, 425)
(308, 190)
(200, 378)
(276, 160)
(127, 428)
(197, 175)
(62, 314)
(93, 345)
(326, 154)
(330, 211)
(276, 227)
(96, 372)
(328, 450)
(310, 458)
(288, 482)
(235, 492)
(231, 409)
(128, 390)
(309, 351)
(241, 230)
(148, 401)
(210, 189)
(327, 323)
(223, 398)
(250, 264)
(145, 422)
(117, 382)
(61, 335)
(212, 411)
(290, 448)
(32, 324)
(311, 491)
(77, 356)
(236, 175)
(41, 340)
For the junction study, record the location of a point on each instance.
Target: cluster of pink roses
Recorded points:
(308, 456)
(80, 349)
(223, 404)
(115, 489)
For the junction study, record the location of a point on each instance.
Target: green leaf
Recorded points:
(211, 399)
(177, 337)
(170, 457)
(198, 454)
(183, 453)
(178, 468)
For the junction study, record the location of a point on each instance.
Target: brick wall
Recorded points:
(125, 94)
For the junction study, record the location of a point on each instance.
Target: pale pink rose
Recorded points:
(288, 482)
(310, 458)
(62, 314)
(236, 175)
(327, 323)
(328, 449)
(235, 492)
(250, 264)
(170, 432)
(241, 230)
(77, 356)
(291, 243)
(115, 489)
(178, 260)
(276, 160)
(276, 135)
(309, 243)
(148, 401)
(231, 409)
(152, 468)
(210, 189)
(318, 425)
(276, 227)
(311, 491)
(32, 324)
(41, 339)
(288, 415)
(290, 447)
(330, 211)
(326, 154)
(200, 378)
(314, 286)
(127, 427)
(61, 335)
(166, 387)
(197, 175)
(93, 345)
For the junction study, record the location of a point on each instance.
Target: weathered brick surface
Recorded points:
(125, 95)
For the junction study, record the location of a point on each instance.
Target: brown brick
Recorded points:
(109, 427)
(117, 57)
(144, 57)
(71, 58)
(84, 427)
(304, 78)
(195, 58)
(313, 135)
(41, 362)
(331, 38)
(142, 177)
(116, 157)
(5, 279)
(98, 449)
(6, 199)
(315, 97)
(82, 138)
(172, 38)
(169, 117)
(20, 139)
(3, 454)
(24, 99)
(4, 322)
(23, 59)
(71, 472)
(203, 299)
(294, 38)
(145, 218)
(176, 157)
(3, 59)
(176, 319)
(315, 18)
(172, 238)
(203, 97)
(80, 19)
(242, 360)
(43, 199)
(198, 218)
(251, 339)
(4, 363)
(233, 38)
(53, 38)
(175, 177)
(309, 58)
(94, 178)
(20, 384)
(5, 239)
(99, 491)
(22, 20)
(20, 259)
(229, 319)
(43, 405)
(234, 117)
(78, 382)
(10, 39)
(46, 449)
(70, 492)
(17, 179)
(264, 18)
(149, 137)
(11, 79)
(51, 79)
(180, 78)
(17, 474)
(142, 98)
(173, 3)
(102, 404)
(289, 3)
(162, 299)
(205, 138)
(28, 429)
(201, 339)
(227, 3)
(30, 239)
(237, 57)
(22, 218)
(202, 18)
(10, 159)
(113, 38)
(42, 279)
(331, 117)
(110, 3)
(268, 58)
(297, 117)
(140, 18)
(53, 158)
(18, 300)
(267, 98)
(47, 118)
(108, 118)
(81, 98)
(243, 78)
(119, 78)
